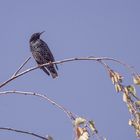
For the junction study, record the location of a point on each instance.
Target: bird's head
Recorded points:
(36, 36)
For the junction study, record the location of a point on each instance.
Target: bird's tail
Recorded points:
(54, 75)
(52, 71)
(45, 70)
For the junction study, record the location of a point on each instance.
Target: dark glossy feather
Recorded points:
(42, 54)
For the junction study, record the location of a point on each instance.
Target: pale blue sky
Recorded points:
(73, 28)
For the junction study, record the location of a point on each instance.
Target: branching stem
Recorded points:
(98, 59)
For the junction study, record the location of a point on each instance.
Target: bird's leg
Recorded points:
(50, 62)
(39, 65)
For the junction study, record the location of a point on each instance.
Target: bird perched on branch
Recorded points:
(42, 54)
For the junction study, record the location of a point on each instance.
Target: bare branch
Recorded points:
(24, 132)
(98, 59)
(130, 68)
(68, 113)
(21, 66)
(115, 77)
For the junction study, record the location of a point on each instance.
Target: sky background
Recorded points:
(73, 28)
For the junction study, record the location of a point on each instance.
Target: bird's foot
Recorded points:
(50, 63)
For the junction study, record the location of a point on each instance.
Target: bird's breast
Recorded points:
(35, 45)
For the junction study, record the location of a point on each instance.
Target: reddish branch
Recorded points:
(68, 113)
(98, 59)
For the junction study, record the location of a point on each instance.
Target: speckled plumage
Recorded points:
(42, 54)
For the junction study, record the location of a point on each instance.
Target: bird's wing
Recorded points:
(45, 70)
(47, 52)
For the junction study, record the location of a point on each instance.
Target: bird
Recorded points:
(42, 54)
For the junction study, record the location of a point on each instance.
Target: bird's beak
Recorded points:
(42, 32)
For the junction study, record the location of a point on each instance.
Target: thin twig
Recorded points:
(24, 132)
(68, 113)
(130, 68)
(21, 66)
(98, 59)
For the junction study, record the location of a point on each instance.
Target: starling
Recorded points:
(42, 54)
